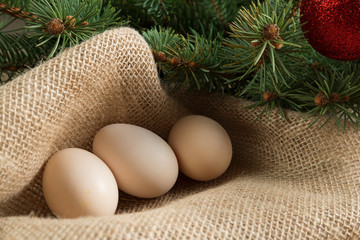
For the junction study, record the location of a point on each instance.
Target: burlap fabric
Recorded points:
(286, 181)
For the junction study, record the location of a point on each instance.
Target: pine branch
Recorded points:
(182, 16)
(17, 53)
(192, 61)
(17, 9)
(158, 9)
(221, 17)
(51, 26)
(265, 33)
(258, 53)
(272, 94)
(335, 93)
(227, 10)
(67, 23)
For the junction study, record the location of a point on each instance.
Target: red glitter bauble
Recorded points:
(332, 27)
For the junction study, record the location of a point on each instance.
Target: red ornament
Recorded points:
(332, 27)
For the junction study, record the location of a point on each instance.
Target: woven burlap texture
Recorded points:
(286, 181)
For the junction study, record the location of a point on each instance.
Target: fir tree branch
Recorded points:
(17, 52)
(16, 12)
(191, 61)
(162, 58)
(67, 23)
(334, 93)
(12, 68)
(266, 33)
(221, 17)
(264, 57)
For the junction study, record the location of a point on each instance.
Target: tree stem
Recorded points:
(219, 12)
(17, 12)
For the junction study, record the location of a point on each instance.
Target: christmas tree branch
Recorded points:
(221, 17)
(17, 52)
(16, 12)
(67, 23)
(174, 62)
(52, 26)
(192, 61)
(334, 93)
(257, 52)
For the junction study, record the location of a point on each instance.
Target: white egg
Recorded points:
(143, 164)
(77, 183)
(202, 146)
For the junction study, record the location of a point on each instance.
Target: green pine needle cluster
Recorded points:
(69, 22)
(186, 61)
(263, 40)
(254, 50)
(337, 95)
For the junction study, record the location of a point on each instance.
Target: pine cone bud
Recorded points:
(70, 20)
(175, 61)
(277, 44)
(321, 99)
(315, 65)
(55, 26)
(271, 31)
(294, 12)
(160, 56)
(3, 5)
(269, 96)
(13, 68)
(85, 23)
(335, 97)
(345, 99)
(192, 64)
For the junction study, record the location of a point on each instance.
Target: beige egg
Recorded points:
(202, 146)
(77, 183)
(143, 163)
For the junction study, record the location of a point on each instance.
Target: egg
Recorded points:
(143, 164)
(77, 183)
(202, 146)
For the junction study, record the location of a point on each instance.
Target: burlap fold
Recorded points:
(286, 181)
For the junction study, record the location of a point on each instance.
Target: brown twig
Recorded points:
(176, 62)
(12, 68)
(17, 12)
(219, 12)
(163, 11)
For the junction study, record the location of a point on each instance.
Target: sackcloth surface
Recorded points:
(285, 181)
